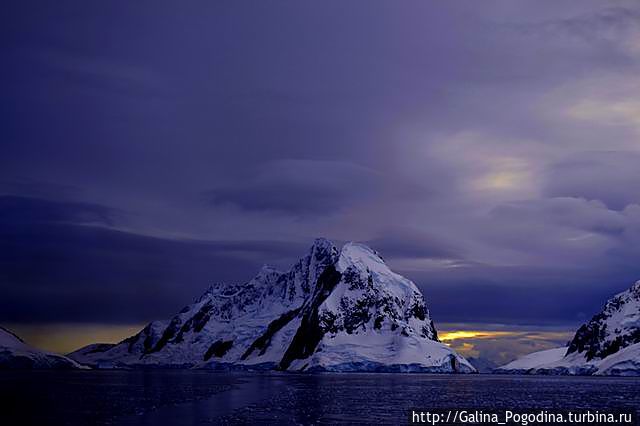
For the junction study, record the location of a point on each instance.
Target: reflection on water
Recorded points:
(201, 397)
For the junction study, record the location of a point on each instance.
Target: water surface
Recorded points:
(175, 397)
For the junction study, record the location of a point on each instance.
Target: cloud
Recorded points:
(410, 243)
(610, 112)
(519, 295)
(568, 214)
(22, 187)
(553, 260)
(15, 210)
(615, 29)
(56, 265)
(300, 187)
(102, 73)
(612, 177)
(606, 101)
(569, 230)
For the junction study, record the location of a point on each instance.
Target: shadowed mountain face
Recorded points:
(615, 327)
(335, 309)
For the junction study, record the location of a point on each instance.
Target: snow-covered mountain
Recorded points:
(16, 354)
(609, 344)
(334, 310)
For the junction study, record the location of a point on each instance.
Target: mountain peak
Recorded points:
(363, 256)
(322, 242)
(323, 248)
(357, 253)
(336, 310)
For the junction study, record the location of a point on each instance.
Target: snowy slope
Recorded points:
(536, 359)
(609, 344)
(625, 362)
(333, 310)
(16, 354)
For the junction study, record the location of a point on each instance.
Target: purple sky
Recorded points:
(488, 150)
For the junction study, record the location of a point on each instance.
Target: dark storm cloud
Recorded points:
(148, 149)
(16, 210)
(35, 189)
(57, 267)
(406, 242)
(300, 187)
(533, 297)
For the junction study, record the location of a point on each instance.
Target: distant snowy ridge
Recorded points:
(609, 344)
(16, 354)
(334, 310)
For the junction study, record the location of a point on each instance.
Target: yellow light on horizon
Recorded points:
(449, 336)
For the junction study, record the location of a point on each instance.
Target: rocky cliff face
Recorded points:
(615, 327)
(338, 310)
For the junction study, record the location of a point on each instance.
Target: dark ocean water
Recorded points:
(202, 398)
